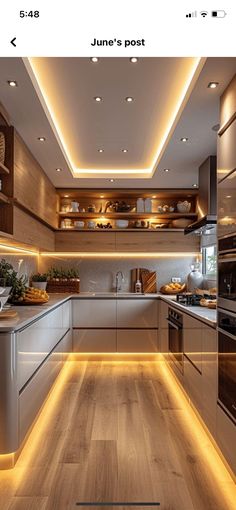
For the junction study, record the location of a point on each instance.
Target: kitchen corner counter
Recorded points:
(202, 313)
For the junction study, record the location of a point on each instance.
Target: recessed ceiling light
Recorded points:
(213, 84)
(111, 180)
(184, 139)
(41, 138)
(12, 83)
(94, 59)
(194, 185)
(129, 99)
(166, 170)
(228, 196)
(98, 99)
(133, 60)
(58, 169)
(100, 150)
(124, 150)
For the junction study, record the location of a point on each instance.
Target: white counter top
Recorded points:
(28, 314)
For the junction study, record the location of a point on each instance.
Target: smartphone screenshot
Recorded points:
(117, 255)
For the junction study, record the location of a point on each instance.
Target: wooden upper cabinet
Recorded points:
(32, 188)
(85, 241)
(156, 242)
(228, 103)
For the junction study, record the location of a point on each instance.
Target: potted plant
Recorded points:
(39, 280)
(63, 280)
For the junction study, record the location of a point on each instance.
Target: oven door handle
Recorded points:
(174, 325)
(233, 337)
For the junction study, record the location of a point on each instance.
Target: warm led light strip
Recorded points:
(19, 250)
(119, 254)
(94, 172)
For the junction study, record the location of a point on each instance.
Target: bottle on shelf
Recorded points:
(140, 205)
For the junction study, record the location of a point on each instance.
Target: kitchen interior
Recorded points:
(117, 282)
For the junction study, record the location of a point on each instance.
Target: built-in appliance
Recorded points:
(175, 338)
(206, 198)
(227, 362)
(227, 273)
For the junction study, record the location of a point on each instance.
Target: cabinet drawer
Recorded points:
(193, 384)
(94, 340)
(137, 313)
(193, 341)
(94, 313)
(34, 394)
(137, 340)
(226, 437)
(35, 342)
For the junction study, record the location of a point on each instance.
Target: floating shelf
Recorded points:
(3, 198)
(120, 229)
(4, 169)
(133, 215)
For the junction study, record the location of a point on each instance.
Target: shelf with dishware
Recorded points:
(131, 210)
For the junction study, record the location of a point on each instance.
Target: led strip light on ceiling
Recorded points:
(184, 94)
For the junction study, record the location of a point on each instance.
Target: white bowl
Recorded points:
(122, 223)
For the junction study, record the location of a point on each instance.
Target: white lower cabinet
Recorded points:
(163, 335)
(32, 397)
(226, 437)
(115, 325)
(137, 313)
(94, 340)
(209, 377)
(137, 340)
(94, 313)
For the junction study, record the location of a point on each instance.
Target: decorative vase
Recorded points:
(39, 285)
(194, 278)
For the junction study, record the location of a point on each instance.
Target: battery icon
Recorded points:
(218, 14)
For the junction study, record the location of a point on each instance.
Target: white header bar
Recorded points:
(117, 28)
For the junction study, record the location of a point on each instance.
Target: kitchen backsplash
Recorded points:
(24, 264)
(97, 274)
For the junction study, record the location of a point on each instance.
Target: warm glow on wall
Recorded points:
(11, 250)
(120, 254)
(44, 86)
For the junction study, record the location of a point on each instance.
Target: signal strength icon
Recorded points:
(204, 13)
(191, 14)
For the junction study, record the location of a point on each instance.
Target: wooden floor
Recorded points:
(117, 432)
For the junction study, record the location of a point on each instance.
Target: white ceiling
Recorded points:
(117, 124)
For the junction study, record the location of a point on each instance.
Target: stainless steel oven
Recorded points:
(227, 362)
(175, 338)
(227, 273)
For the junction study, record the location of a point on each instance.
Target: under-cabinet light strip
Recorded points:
(120, 254)
(17, 249)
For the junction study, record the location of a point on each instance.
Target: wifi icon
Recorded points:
(204, 13)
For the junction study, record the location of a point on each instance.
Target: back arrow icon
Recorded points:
(13, 42)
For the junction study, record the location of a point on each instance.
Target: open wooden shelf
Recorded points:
(72, 229)
(3, 198)
(133, 215)
(4, 169)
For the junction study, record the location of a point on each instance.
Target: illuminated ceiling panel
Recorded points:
(67, 88)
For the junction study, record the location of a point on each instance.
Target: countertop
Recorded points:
(28, 314)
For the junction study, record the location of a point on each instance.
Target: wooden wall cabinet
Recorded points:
(29, 231)
(6, 176)
(32, 188)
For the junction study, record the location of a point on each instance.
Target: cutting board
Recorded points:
(8, 314)
(149, 281)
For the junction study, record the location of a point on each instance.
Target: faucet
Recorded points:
(118, 280)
